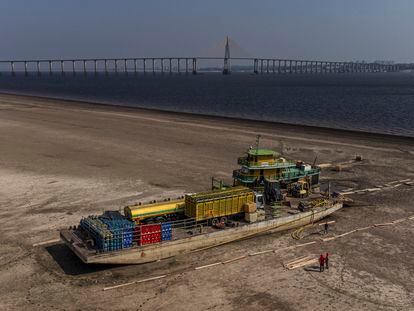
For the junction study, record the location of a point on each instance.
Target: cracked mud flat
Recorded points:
(60, 161)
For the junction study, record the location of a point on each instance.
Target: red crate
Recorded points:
(149, 234)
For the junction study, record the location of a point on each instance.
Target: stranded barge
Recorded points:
(260, 201)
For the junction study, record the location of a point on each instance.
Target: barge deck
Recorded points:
(154, 252)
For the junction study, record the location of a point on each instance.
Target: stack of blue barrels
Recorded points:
(122, 229)
(111, 231)
(99, 232)
(166, 231)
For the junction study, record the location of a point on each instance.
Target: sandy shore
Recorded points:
(61, 160)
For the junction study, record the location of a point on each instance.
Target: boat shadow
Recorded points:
(70, 263)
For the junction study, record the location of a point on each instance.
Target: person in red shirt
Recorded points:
(327, 261)
(321, 263)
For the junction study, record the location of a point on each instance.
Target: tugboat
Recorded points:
(258, 202)
(261, 166)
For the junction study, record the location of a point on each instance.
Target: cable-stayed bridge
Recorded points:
(233, 59)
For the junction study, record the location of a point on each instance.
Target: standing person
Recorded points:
(326, 227)
(327, 261)
(321, 263)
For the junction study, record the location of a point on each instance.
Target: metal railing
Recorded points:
(265, 164)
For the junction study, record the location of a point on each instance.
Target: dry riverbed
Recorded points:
(62, 160)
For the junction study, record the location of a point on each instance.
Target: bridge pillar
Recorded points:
(135, 66)
(273, 66)
(95, 72)
(153, 65)
(62, 67)
(50, 67)
(186, 65)
(267, 66)
(170, 70)
(84, 67)
(38, 68)
(278, 66)
(178, 65)
(194, 66)
(25, 68)
(144, 60)
(125, 66)
(12, 68)
(73, 68)
(106, 66)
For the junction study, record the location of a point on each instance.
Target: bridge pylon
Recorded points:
(226, 67)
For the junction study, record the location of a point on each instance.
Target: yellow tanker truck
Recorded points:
(199, 206)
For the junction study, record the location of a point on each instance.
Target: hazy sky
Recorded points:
(313, 29)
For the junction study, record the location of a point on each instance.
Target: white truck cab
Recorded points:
(259, 200)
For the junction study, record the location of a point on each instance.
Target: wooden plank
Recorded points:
(393, 182)
(349, 192)
(306, 263)
(324, 165)
(329, 222)
(329, 239)
(373, 189)
(46, 242)
(399, 220)
(299, 259)
(364, 228)
(135, 282)
(302, 263)
(208, 266)
(262, 252)
(346, 233)
(234, 259)
(384, 224)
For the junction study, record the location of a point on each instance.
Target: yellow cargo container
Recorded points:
(139, 212)
(214, 204)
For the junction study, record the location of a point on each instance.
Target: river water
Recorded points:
(376, 102)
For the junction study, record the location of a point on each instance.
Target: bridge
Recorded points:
(192, 65)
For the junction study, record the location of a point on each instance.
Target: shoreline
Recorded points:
(208, 117)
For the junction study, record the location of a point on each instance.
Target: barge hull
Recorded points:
(154, 252)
